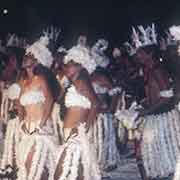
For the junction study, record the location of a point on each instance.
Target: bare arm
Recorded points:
(155, 107)
(48, 100)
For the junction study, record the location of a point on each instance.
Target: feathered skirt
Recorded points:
(160, 145)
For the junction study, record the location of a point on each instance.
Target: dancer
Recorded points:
(31, 140)
(104, 135)
(77, 160)
(160, 137)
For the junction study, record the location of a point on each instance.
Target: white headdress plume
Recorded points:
(135, 38)
(81, 55)
(41, 52)
(175, 32)
(52, 33)
(101, 45)
(98, 54)
(142, 37)
(62, 49)
(153, 34)
(169, 39)
(12, 40)
(130, 49)
(146, 37)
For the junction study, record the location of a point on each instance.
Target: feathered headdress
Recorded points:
(41, 52)
(12, 40)
(97, 52)
(81, 55)
(62, 49)
(141, 37)
(170, 39)
(175, 32)
(101, 45)
(52, 33)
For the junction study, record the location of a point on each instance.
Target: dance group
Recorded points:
(68, 114)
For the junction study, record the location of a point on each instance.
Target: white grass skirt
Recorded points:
(160, 147)
(104, 139)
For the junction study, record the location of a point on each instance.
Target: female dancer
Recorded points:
(31, 140)
(77, 160)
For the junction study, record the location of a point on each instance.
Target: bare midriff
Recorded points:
(74, 116)
(34, 114)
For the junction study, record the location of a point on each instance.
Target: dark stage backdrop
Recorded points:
(110, 19)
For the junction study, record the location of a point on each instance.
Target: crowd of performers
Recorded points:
(68, 114)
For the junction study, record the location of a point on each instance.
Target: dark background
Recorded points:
(110, 19)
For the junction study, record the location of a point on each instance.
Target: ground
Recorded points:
(127, 169)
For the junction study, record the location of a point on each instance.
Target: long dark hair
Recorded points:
(50, 78)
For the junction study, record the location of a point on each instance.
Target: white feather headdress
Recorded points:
(12, 40)
(41, 52)
(81, 55)
(101, 45)
(52, 33)
(62, 49)
(141, 37)
(146, 36)
(170, 39)
(130, 48)
(97, 52)
(175, 32)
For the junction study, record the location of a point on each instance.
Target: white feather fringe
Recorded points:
(160, 144)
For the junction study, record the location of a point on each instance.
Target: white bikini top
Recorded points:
(32, 97)
(103, 90)
(73, 98)
(99, 89)
(167, 93)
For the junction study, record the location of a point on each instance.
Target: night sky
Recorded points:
(110, 19)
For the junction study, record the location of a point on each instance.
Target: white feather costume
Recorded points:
(77, 155)
(103, 135)
(160, 143)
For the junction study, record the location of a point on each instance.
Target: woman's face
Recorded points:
(28, 61)
(70, 69)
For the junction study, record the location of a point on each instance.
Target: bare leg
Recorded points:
(139, 161)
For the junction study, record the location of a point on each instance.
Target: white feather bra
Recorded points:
(73, 98)
(32, 97)
(99, 89)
